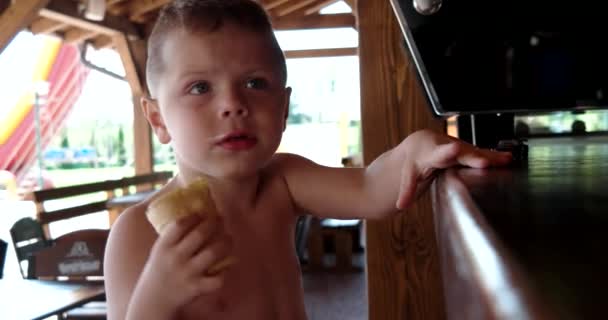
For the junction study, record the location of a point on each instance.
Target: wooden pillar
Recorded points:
(402, 262)
(133, 56)
(16, 17)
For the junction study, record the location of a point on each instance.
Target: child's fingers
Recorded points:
(482, 158)
(450, 154)
(198, 237)
(473, 159)
(407, 187)
(176, 230)
(498, 157)
(209, 283)
(444, 156)
(221, 265)
(212, 254)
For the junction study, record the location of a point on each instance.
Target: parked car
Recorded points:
(85, 155)
(71, 158)
(55, 157)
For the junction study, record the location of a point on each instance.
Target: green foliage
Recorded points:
(75, 165)
(65, 142)
(122, 151)
(295, 117)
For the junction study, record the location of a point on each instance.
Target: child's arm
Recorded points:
(391, 181)
(149, 278)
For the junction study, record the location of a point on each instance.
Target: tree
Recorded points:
(294, 117)
(65, 142)
(122, 151)
(93, 144)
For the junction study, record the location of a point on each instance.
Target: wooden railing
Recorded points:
(144, 183)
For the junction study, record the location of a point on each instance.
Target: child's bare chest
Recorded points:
(265, 282)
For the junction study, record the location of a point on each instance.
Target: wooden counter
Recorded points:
(527, 241)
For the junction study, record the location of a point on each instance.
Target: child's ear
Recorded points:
(151, 111)
(286, 108)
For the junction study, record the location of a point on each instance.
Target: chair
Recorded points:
(340, 233)
(76, 256)
(3, 246)
(302, 227)
(28, 238)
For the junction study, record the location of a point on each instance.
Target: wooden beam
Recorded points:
(77, 35)
(142, 140)
(273, 4)
(142, 133)
(341, 20)
(102, 41)
(318, 7)
(319, 53)
(133, 56)
(403, 276)
(134, 75)
(66, 11)
(141, 7)
(289, 7)
(44, 26)
(302, 10)
(16, 17)
(352, 4)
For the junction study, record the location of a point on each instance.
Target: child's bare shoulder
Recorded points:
(284, 162)
(131, 235)
(132, 230)
(292, 167)
(129, 245)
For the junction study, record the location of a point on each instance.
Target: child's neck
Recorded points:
(231, 195)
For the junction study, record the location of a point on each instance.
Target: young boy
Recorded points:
(216, 77)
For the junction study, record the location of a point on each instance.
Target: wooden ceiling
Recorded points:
(134, 18)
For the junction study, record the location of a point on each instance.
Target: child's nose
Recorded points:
(237, 111)
(233, 106)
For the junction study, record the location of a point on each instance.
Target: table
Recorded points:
(527, 241)
(38, 299)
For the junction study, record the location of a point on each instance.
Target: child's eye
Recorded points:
(199, 88)
(257, 83)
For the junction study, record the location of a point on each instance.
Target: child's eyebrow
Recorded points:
(190, 73)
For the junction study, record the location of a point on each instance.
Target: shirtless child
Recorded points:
(217, 77)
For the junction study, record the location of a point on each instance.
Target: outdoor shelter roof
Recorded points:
(134, 18)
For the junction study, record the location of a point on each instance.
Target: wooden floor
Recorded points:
(339, 296)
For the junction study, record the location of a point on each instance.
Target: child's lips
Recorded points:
(238, 142)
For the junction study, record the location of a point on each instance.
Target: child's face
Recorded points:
(221, 101)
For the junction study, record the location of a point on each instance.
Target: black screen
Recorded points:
(477, 56)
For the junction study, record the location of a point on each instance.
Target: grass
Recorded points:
(70, 177)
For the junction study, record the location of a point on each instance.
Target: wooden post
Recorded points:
(402, 261)
(16, 17)
(133, 56)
